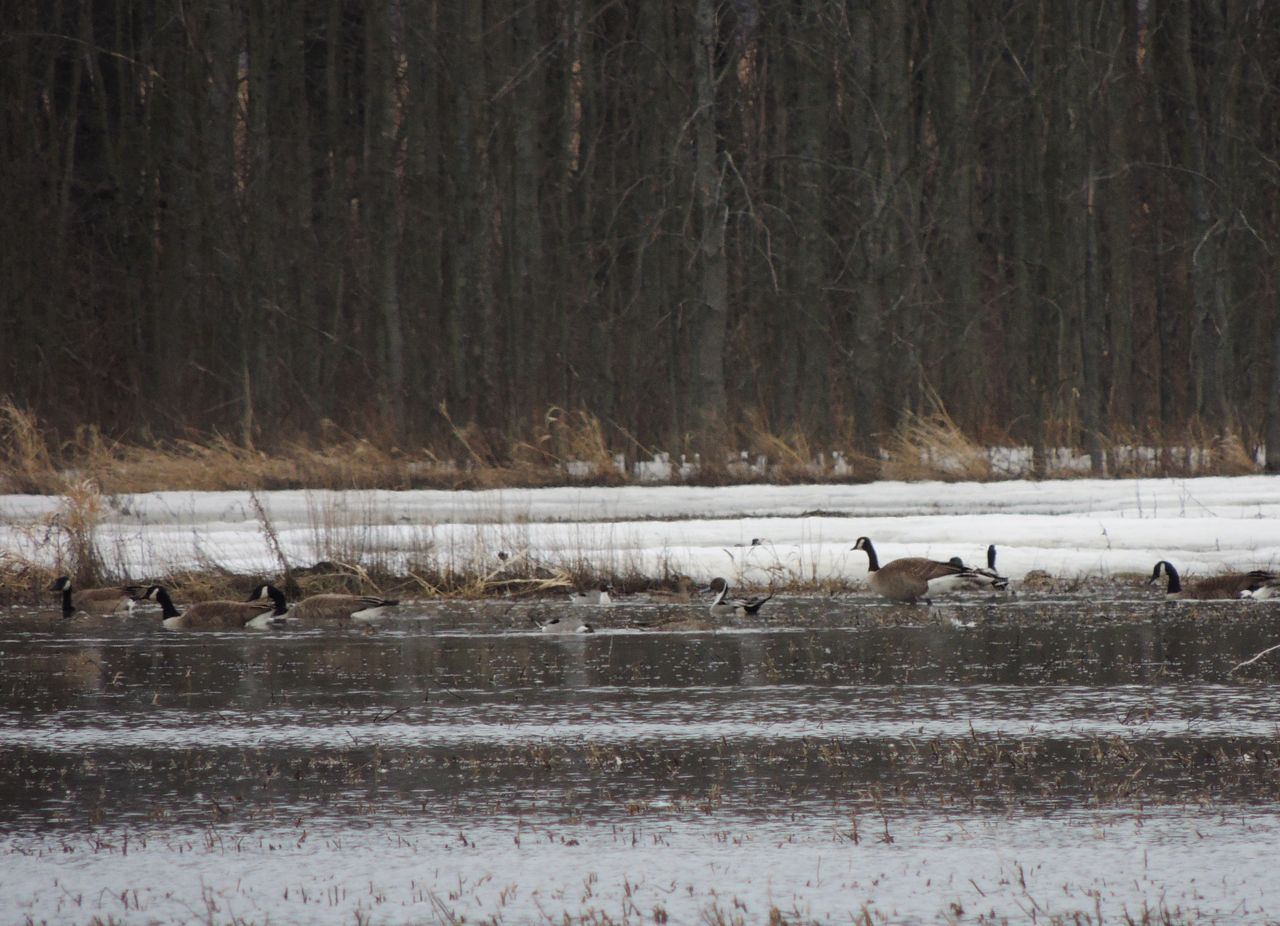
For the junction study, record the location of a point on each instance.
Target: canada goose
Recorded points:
(94, 600)
(683, 591)
(219, 615)
(989, 576)
(333, 607)
(562, 625)
(914, 577)
(1230, 585)
(596, 599)
(722, 604)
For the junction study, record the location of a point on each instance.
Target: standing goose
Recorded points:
(914, 577)
(1255, 584)
(94, 600)
(723, 605)
(219, 615)
(333, 607)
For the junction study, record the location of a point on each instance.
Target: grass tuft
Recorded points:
(933, 447)
(78, 517)
(26, 463)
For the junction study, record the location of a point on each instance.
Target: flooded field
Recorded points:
(842, 761)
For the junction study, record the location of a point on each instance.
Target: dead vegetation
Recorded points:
(573, 447)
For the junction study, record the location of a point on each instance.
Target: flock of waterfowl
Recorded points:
(916, 578)
(266, 604)
(908, 579)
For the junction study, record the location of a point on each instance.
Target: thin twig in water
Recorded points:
(1252, 660)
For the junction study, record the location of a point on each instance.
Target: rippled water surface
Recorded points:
(974, 762)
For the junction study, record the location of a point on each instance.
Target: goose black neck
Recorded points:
(166, 603)
(1175, 582)
(277, 599)
(873, 561)
(991, 557)
(67, 607)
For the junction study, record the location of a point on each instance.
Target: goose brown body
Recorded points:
(912, 578)
(216, 615)
(332, 607)
(95, 600)
(1257, 583)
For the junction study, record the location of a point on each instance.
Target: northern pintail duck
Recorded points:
(989, 578)
(598, 598)
(219, 615)
(563, 625)
(725, 605)
(95, 600)
(914, 577)
(1268, 589)
(1228, 585)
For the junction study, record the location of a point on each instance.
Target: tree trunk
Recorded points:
(709, 403)
(962, 371)
(1205, 232)
(1273, 392)
(384, 219)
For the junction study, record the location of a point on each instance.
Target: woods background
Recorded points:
(693, 223)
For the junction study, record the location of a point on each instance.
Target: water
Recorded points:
(976, 762)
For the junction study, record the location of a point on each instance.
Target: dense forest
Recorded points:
(691, 223)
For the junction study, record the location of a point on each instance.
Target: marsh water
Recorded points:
(841, 760)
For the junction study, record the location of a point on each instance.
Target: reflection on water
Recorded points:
(454, 762)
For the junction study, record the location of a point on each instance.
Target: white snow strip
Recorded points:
(1068, 528)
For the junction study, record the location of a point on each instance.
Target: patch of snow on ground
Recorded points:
(1069, 528)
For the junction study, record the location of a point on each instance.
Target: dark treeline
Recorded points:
(695, 222)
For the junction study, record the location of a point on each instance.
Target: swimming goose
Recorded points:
(94, 600)
(219, 615)
(722, 604)
(598, 598)
(1230, 585)
(333, 607)
(914, 577)
(562, 625)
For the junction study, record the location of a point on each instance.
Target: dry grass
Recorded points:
(567, 439)
(793, 459)
(26, 465)
(78, 518)
(933, 447)
(568, 447)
